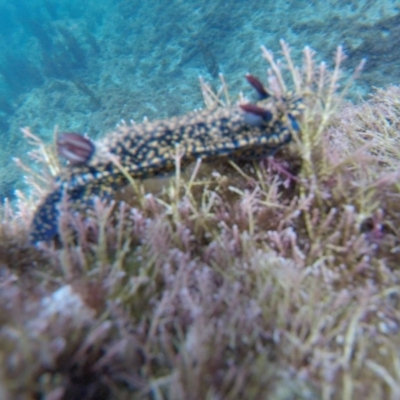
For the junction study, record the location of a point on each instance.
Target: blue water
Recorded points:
(84, 65)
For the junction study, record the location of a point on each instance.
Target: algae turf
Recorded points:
(271, 279)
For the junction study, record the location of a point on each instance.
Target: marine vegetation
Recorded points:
(259, 272)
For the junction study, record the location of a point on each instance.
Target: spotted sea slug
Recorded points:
(247, 130)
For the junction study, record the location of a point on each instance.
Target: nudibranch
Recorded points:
(246, 131)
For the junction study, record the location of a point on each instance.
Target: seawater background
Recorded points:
(84, 65)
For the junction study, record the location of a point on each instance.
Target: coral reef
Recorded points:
(276, 278)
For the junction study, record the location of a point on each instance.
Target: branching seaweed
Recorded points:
(275, 278)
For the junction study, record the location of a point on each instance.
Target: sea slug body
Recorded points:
(148, 149)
